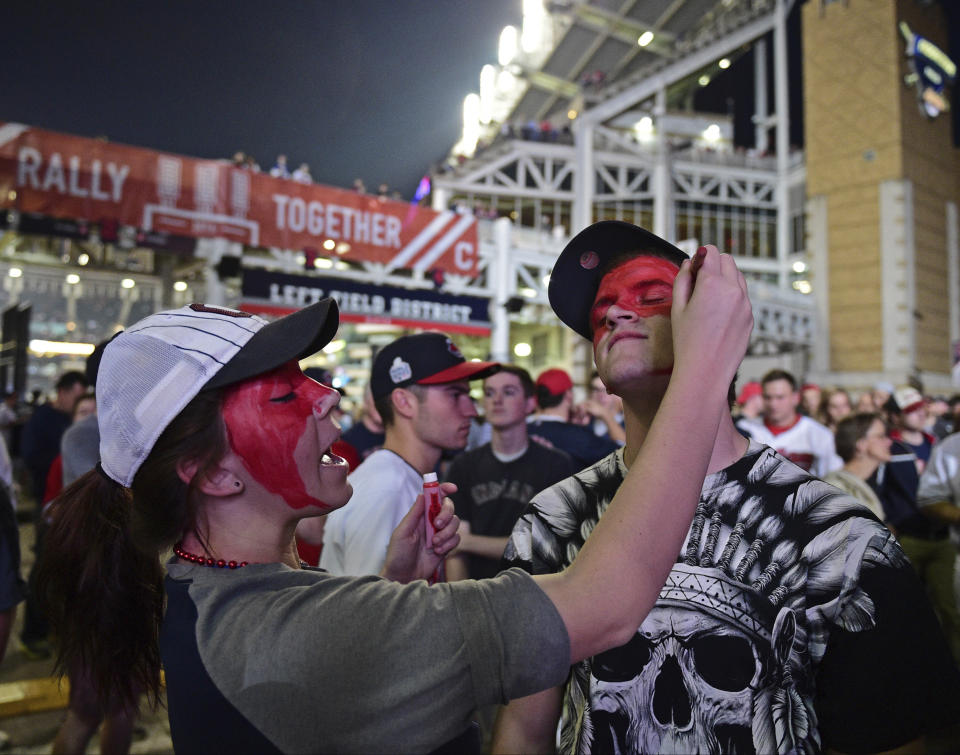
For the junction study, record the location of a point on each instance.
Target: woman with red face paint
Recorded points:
(213, 442)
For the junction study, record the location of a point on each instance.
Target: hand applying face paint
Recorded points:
(711, 316)
(279, 424)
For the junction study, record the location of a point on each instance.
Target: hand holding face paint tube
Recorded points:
(409, 555)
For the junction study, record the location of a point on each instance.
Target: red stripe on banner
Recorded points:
(273, 310)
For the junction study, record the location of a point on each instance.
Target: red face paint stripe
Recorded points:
(266, 433)
(642, 285)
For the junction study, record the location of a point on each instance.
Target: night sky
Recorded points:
(356, 88)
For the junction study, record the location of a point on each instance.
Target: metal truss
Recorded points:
(729, 191)
(519, 168)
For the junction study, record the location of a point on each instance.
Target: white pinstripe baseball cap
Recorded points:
(152, 370)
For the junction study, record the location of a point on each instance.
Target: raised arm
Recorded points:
(607, 592)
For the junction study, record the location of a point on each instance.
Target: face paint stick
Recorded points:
(432, 503)
(698, 259)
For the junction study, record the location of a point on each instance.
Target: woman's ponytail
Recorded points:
(102, 593)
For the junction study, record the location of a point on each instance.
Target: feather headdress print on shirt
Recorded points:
(725, 661)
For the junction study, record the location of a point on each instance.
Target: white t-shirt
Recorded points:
(808, 444)
(940, 480)
(355, 537)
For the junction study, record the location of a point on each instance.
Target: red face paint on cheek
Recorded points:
(267, 418)
(642, 285)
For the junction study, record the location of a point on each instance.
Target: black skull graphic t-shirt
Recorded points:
(791, 622)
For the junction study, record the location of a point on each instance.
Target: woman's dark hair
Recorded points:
(850, 430)
(100, 577)
(823, 411)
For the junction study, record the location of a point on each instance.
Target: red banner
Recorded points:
(72, 177)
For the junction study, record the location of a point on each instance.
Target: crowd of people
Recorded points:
(811, 605)
(883, 449)
(301, 174)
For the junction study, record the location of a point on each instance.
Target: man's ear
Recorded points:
(530, 405)
(404, 402)
(216, 481)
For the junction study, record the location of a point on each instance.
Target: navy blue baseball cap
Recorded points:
(429, 358)
(582, 263)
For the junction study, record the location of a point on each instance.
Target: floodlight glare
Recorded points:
(41, 347)
(645, 38)
(644, 128)
(507, 49)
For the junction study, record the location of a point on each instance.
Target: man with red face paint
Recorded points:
(751, 646)
(420, 388)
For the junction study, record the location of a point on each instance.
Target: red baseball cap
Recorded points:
(555, 380)
(748, 391)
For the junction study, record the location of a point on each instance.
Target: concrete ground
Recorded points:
(33, 733)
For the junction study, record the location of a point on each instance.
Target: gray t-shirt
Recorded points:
(318, 663)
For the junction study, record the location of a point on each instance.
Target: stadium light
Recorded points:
(712, 133)
(39, 347)
(507, 49)
(644, 128)
(488, 92)
(534, 19)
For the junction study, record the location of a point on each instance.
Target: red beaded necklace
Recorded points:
(206, 560)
